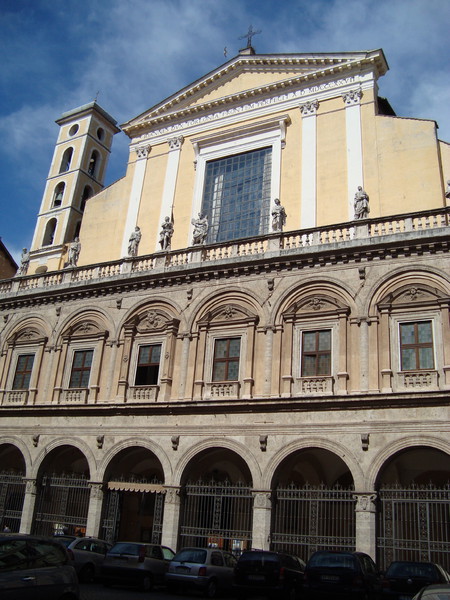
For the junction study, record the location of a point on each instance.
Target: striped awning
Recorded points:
(136, 486)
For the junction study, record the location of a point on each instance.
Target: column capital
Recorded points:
(352, 97)
(143, 151)
(175, 143)
(365, 501)
(262, 500)
(309, 108)
(172, 495)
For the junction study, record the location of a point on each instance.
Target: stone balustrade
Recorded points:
(353, 233)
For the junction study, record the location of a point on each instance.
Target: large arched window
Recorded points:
(88, 192)
(58, 195)
(49, 234)
(93, 163)
(66, 160)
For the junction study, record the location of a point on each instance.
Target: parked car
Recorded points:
(341, 575)
(403, 578)
(434, 592)
(135, 563)
(209, 570)
(35, 568)
(88, 554)
(275, 574)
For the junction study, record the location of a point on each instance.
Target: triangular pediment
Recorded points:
(252, 76)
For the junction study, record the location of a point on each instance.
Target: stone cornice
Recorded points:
(318, 65)
(339, 68)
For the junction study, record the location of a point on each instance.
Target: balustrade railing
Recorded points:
(316, 238)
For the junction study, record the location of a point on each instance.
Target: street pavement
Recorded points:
(97, 591)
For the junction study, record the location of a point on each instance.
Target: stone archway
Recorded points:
(63, 492)
(413, 517)
(313, 503)
(134, 497)
(216, 501)
(12, 487)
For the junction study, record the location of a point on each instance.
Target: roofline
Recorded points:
(8, 254)
(261, 58)
(84, 109)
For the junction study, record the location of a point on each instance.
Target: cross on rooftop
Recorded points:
(250, 33)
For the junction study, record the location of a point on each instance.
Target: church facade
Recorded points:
(245, 341)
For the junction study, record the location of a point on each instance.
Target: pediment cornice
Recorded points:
(311, 69)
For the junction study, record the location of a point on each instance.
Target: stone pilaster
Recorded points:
(28, 506)
(95, 509)
(171, 517)
(365, 517)
(262, 507)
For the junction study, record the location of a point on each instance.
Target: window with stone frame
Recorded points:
(416, 346)
(148, 362)
(316, 353)
(81, 368)
(22, 375)
(226, 359)
(236, 195)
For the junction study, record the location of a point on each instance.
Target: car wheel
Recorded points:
(146, 583)
(211, 589)
(87, 574)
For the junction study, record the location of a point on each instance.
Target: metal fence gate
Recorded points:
(115, 510)
(216, 514)
(62, 504)
(414, 524)
(12, 494)
(309, 518)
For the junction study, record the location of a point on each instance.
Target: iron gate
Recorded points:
(414, 524)
(114, 507)
(62, 504)
(12, 494)
(309, 518)
(216, 514)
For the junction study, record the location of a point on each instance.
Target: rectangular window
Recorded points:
(416, 346)
(236, 195)
(316, 353)
(226, 359)
(81, 369)
(147, 371)
(23, 372)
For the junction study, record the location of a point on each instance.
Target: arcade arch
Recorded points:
(216, 501)
(12, 487)
(133, 504)
(313, 503)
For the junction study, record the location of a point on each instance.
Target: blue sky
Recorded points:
(56, 55)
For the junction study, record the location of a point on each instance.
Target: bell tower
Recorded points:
(77, 172)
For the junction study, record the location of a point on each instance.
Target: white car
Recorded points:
(87, 554)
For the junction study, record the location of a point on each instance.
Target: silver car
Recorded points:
(136, 563)
(35, 568)
(88, 554)
(207, 569)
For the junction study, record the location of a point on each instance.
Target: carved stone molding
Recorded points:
(352, 97)
(31, 487)
(96, 490)
(309, 108)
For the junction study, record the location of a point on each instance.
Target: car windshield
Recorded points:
(333, 561)
(125, 548)
(192, 555)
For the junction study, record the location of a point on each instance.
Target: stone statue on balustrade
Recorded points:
(166, 233)
(278, 216)
(74, 252)
(361, 204)
(200, 232)
(24, 262)
(133, 242)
